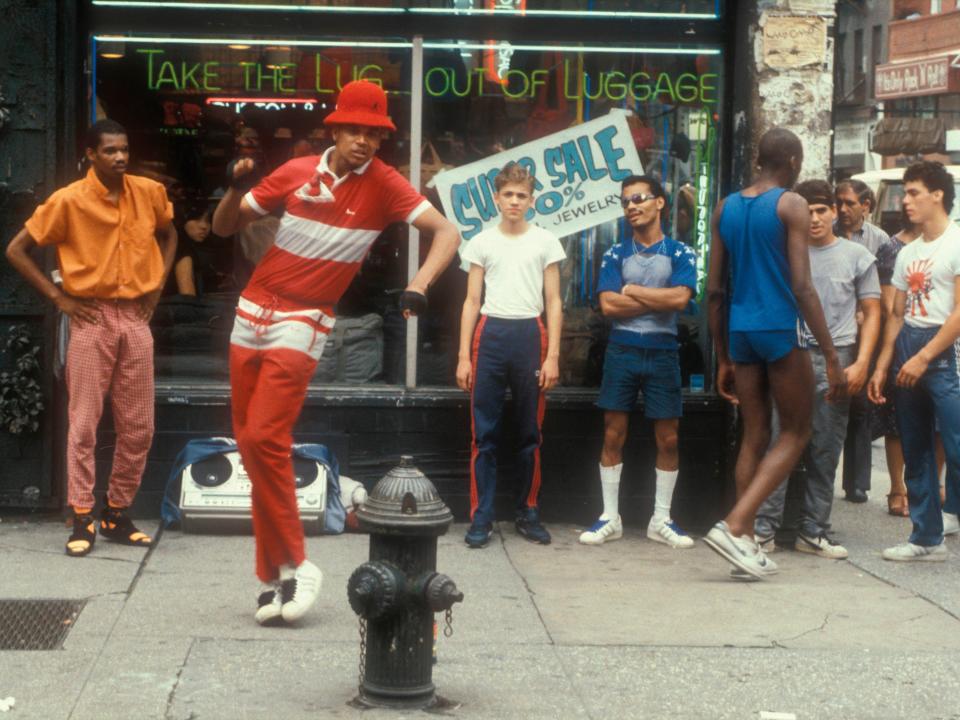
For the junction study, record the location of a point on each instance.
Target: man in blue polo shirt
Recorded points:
(645, 281)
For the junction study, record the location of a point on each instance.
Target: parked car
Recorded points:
(887, 185)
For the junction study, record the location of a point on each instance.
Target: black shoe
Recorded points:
(478, 535)
(529, 526)
(83, 536)
(855, 496)
(116, 526)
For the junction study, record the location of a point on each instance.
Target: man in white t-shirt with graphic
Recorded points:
(503, 343)
(921, 342)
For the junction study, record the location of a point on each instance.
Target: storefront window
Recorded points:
(581, 116)
(574, 115)
(650, 9)
(190, 107)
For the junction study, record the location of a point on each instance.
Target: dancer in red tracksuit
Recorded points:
(334, 207)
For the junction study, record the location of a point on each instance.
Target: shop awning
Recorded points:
(909, 136)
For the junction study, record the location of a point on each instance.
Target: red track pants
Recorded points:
(268, 378)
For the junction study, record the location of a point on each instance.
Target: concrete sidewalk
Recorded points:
(628, 630)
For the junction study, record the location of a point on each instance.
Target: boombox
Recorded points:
(215, 495)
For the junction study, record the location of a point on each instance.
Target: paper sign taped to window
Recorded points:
(578, 173)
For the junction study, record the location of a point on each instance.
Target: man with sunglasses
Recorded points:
(759, 248)
(334, 207)
(645, 281)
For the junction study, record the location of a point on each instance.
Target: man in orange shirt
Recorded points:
(115, 244)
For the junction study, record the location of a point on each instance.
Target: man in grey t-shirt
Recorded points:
(844, 274)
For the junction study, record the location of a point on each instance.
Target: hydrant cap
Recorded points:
(405, 501)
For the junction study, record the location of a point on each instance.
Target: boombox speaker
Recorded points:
(215, 495)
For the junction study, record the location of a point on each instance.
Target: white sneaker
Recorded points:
(951, 524)
(908, 552)
(666, 531)
(269, 604)
(602, 531)
(821, 546)
(301, 592)
(739, 551)
(769, 568)
(766, 543)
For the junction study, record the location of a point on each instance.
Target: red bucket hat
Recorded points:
(361, 102)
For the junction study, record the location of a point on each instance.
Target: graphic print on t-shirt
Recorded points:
(919, 285)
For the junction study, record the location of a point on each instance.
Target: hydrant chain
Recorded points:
(448, 629)
(363, 650)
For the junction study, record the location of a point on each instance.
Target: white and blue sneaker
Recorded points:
(602, 531)
(769, 568)
(741, 552)
(666, 531)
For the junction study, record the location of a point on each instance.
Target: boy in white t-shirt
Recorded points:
(503, 344)
(921, 340)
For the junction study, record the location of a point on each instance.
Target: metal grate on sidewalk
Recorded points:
(37, 624)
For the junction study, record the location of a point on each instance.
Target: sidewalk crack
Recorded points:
(823, 625)
(176, 680)
(530, 593)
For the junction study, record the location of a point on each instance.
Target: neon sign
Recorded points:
(239, 103)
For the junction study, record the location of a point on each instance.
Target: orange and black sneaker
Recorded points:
(83, 536)
(117, 527)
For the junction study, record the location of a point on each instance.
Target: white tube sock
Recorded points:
(610, 485)
(666, 482)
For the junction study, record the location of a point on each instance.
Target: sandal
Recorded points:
(117, 527)
(83, 536)
(897, 505)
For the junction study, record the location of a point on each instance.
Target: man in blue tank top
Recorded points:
(759, 242)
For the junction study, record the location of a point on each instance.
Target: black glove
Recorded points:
(244, 182)
(415, 302)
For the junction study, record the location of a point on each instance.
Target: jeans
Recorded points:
(820, 458)
(857, 450)
(934, 399)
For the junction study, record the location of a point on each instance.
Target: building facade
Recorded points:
(860, 49)
(581, 90)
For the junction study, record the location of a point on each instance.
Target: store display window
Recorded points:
(583, 117)
(647, 9)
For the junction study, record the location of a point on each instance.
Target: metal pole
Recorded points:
(413, 246)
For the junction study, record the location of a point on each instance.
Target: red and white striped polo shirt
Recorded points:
(320, 245)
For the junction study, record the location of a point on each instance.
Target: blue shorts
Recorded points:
(628, 370)
(761, 346)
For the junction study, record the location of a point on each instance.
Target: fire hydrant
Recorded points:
(397, 592)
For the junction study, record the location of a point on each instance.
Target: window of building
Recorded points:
(876, 56)
(858, 91)
(192, 104)
(840, 67)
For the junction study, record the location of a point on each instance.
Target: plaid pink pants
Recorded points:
(115, 356)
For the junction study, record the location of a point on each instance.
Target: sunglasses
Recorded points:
(636, 199)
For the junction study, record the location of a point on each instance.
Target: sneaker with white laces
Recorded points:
(301, 591)
(951, 524)
(666, 531)
(908, 552)
(766, 542)
(742, 552)
(822, 546)
(602, 531)
(269, 605)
